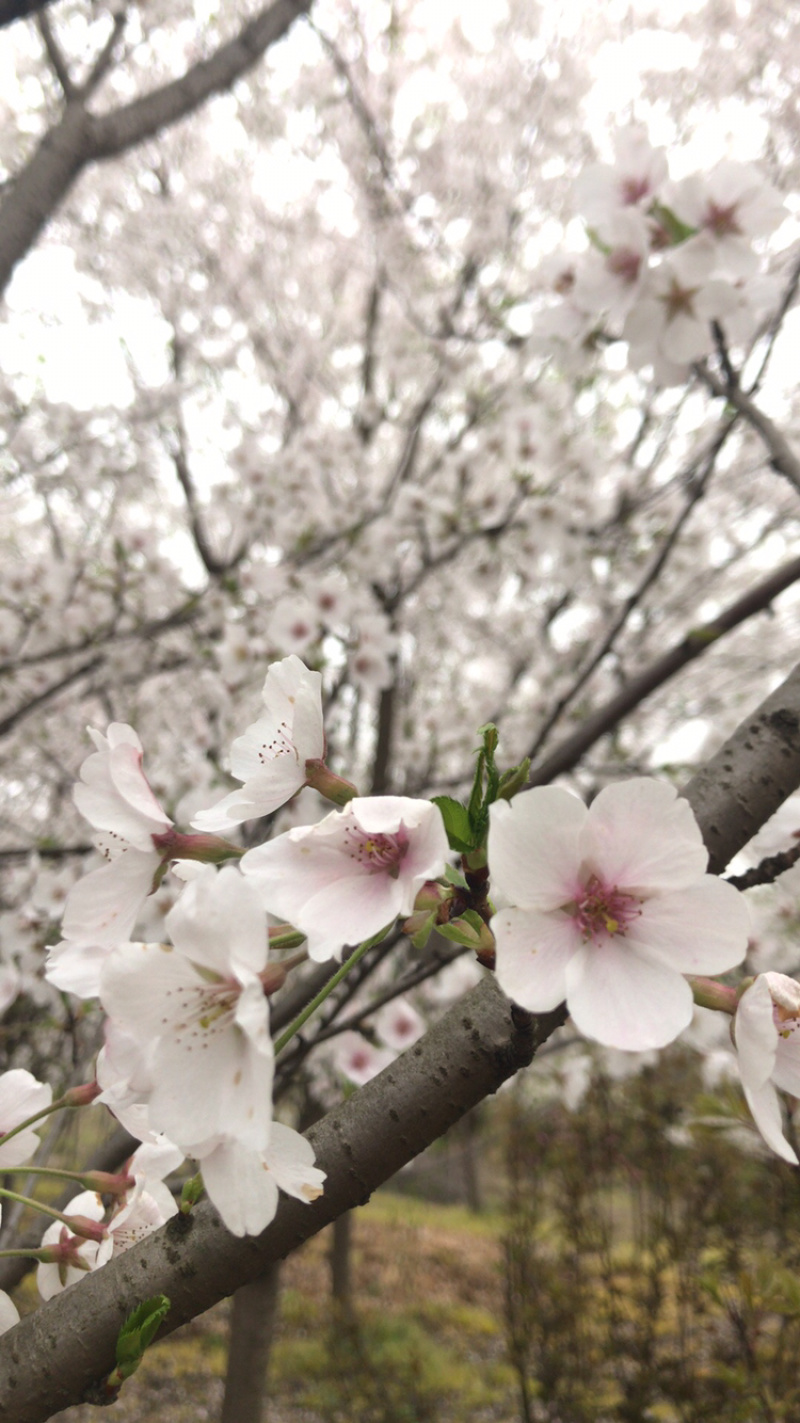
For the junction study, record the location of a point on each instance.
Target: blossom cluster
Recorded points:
(668, 261)
(607, 908)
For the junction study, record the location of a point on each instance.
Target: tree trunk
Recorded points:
(341, 1254)
(253, 1321)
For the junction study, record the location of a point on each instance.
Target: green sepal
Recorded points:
(468, 929)
(514, 780)
(676, 230)
(420, 939)
(454, 877)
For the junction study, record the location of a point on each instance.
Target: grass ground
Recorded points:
(428, 1347)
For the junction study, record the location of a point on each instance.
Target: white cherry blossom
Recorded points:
(632, 181)
(609, 907)
(343, 880)
(766, 1032)
(243, 1184)
(21, 1096)
(358, 1059)
(9, 1314)
(270, 758)
(197, 1010)
(399, 1025)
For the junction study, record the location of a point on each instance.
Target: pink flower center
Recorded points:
(601, 910)
(786, 1022)
(377, 854)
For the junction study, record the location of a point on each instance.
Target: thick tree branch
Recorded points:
(693, 645)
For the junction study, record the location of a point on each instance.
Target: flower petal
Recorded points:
(641, 836)
(533, 847)
(625, 1001)
(533, 951)
(702, 929)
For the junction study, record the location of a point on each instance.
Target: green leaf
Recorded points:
(454, 876)
(456, 822)
(514, 780)
(138, 1331)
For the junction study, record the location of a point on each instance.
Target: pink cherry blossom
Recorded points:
(270, 758)
(358, 1060)
(767, 1035)
(732, 204)
(670, 325)
(399, 1025)
(113, 793)
(198, 1012)
(632, 181)
(609, 907)
(343, 880)
(52, 1277)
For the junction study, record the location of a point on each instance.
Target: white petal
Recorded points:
(756, 1035)
(241, 1187)
(290, 1159)
(765, 1106)
(701, 929)
(624, 1001)
(533, 847)
(641, 835)
(9, 1314)
(76, 968)
(102, 908)
(219, 922)
(533, 951)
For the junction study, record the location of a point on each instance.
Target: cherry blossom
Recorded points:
(270, 758)
(54, 1276)
(399, 1025)
(765, 1032)
(198, 1012)
(358, 1059)
(732, 204)
(343, 880)
(632, 181)
(609, 907)
(21, 1096)
(113, 794)
(244, 1184)
(670, 325)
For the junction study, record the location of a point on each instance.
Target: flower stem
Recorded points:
(708, 993)
(332, 983)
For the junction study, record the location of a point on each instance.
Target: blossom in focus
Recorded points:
(244, 1184)
(114, 796)
(766, 1032)
(52, 1277)
(343, 880)
(609, 907)
(198, 1012)
(270, 758)
(21, 1096)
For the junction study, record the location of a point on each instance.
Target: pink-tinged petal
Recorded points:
(624, 1001)
(127, 777)
(533, 951)
(756, 1035)
(765, 1107)
(533, 847)
(641, 837)
(219, 922)
(227, 813)
(347, 912)
(701, 929)
(241, 1186)
(102, 908)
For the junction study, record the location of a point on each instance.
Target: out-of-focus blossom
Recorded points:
(21, 1096)
(398, 1025)
(358, 1060)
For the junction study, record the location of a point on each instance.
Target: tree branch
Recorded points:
(81, 138)
(693, 645)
